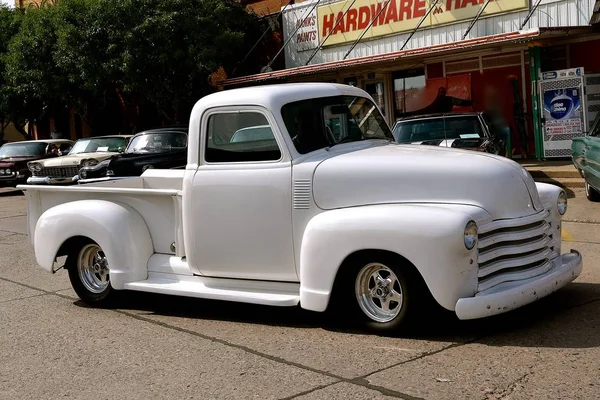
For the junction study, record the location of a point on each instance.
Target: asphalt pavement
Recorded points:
(154, 346)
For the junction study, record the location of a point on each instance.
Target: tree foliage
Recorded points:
(95, 55)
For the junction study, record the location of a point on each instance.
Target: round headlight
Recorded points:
(471, 235)
(82, 173)
(561, 203)
(1, 171)
(89, 163)
(35, 167)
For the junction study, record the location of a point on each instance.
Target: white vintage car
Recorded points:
(324, 212)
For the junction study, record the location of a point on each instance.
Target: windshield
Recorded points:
(96, 145)
(157, 142)
(420, 130)
(23, 149)
(319, 123)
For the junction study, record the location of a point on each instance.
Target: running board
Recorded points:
(255, 292)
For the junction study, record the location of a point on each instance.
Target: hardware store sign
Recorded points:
(344, 21)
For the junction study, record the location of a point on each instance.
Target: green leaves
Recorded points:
(87, 53)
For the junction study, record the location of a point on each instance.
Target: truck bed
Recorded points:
(156, 195)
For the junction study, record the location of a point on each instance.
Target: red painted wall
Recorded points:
(585, 55)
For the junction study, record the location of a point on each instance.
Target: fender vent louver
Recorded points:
(302, 189)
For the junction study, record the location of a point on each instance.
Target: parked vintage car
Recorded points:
(358, 224)
(85, 152)
(157, 148)
(15, 156)
(585, 153)
(469, 130)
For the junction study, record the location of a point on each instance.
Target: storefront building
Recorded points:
(496, 53)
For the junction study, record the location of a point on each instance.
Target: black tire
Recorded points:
(93, 288)
(591, 193)
(347, 301)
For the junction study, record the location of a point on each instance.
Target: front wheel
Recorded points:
(591, 193)
(89, 274)
(383, 293)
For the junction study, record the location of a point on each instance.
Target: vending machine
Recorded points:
(564, 111)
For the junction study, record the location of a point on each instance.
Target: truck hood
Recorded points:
(426, 174)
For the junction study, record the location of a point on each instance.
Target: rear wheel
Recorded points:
(89, 274)
(591, 193)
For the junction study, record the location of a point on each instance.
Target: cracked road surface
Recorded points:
(156, 346)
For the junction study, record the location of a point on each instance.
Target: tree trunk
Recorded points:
(23, 132)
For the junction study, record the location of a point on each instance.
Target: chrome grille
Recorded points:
(515, 249)
(58, 172)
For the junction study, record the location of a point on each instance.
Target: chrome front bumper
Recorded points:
(511, 295)
(38, 180)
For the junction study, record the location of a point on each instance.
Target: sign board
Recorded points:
(307, 35)
(346, 20)
(563, 109)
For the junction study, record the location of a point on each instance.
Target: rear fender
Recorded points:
(431, 237)
(118, 229)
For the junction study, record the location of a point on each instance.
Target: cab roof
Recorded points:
(275, 96)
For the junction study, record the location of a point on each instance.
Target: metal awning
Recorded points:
(435, 50)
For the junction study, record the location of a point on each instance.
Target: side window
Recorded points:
(240, 137)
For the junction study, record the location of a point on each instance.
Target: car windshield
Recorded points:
(323, 122)
(420, 130)
(157, 142)
(23, 149)
(97, 145)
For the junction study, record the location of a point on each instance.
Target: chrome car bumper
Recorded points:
(39, 180)
(511, 295)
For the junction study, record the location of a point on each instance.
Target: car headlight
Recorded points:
(471, 235)
(110, 172)
(1, 171)
(561, 203)
(35, 167)
(82, 173)
(89, 163)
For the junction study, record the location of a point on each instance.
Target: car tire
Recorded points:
(380, 292)
(591, 193)
(89, 274)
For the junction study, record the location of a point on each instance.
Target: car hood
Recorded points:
(76, 159)
(17, 160)
(426, 174)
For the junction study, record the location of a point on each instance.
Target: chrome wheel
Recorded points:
(379, 292)
(92, 267)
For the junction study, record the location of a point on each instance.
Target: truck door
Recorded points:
(241, 199)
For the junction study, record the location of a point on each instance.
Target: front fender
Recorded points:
(118, 229)
(431, 237)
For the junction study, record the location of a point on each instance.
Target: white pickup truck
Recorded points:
(295, 195)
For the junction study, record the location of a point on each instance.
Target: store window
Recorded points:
(376, 91)
(409, 86)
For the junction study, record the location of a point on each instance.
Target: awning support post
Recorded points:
(330, 32)
(431, 7)
(472, 24)
(367, 28)
(526, 20)
(292, 34)
(260, 39)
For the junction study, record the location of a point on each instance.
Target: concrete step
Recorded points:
(555, 173)
(569, 183)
